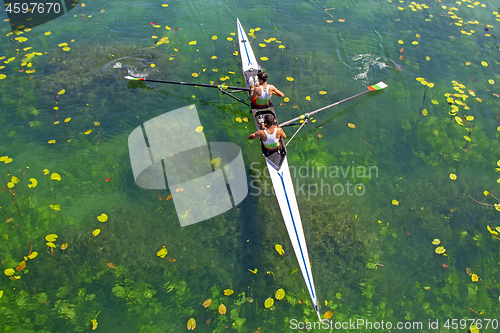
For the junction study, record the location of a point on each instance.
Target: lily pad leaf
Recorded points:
(55, 176)
(51, 238)
(102, 218)
(162, 253)
(191, 324)
(280, 294)
(268, 303)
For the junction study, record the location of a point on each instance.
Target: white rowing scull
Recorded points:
(280, 174)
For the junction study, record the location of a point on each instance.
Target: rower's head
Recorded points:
(269, 120)
(262, 76)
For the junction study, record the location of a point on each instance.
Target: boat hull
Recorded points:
(285, 194)
(280, 174)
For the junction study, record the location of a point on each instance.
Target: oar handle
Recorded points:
(186, 83)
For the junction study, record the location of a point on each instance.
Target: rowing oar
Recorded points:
(379, 86)
(186, 83)
(221, 87)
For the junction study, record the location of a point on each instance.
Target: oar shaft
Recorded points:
(297, 131)
(324, 108)
(194, 84)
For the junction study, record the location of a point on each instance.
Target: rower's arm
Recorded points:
(282, 133)
(258, 134)
(278, 92)
(253, 91)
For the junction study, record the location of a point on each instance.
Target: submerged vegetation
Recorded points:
(83, 248)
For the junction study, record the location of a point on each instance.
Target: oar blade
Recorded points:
(133, 78)
(379, 86)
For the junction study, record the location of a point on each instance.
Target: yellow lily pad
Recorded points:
(96, 232)
(191, 324)
(51, 238)
(395, 202)
(440, 250)
(55, 176)
(162, 253)
(280, 294)
(94, 324)
(493, 232)
(268, 303)
(453, 176)
(474, 278)
(222, 309)
(102, 218)
(33, 183)
(21, 266)
(279, 248)
(228, 292)
(9, 272)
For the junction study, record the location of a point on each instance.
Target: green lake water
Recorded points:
(371, 251)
